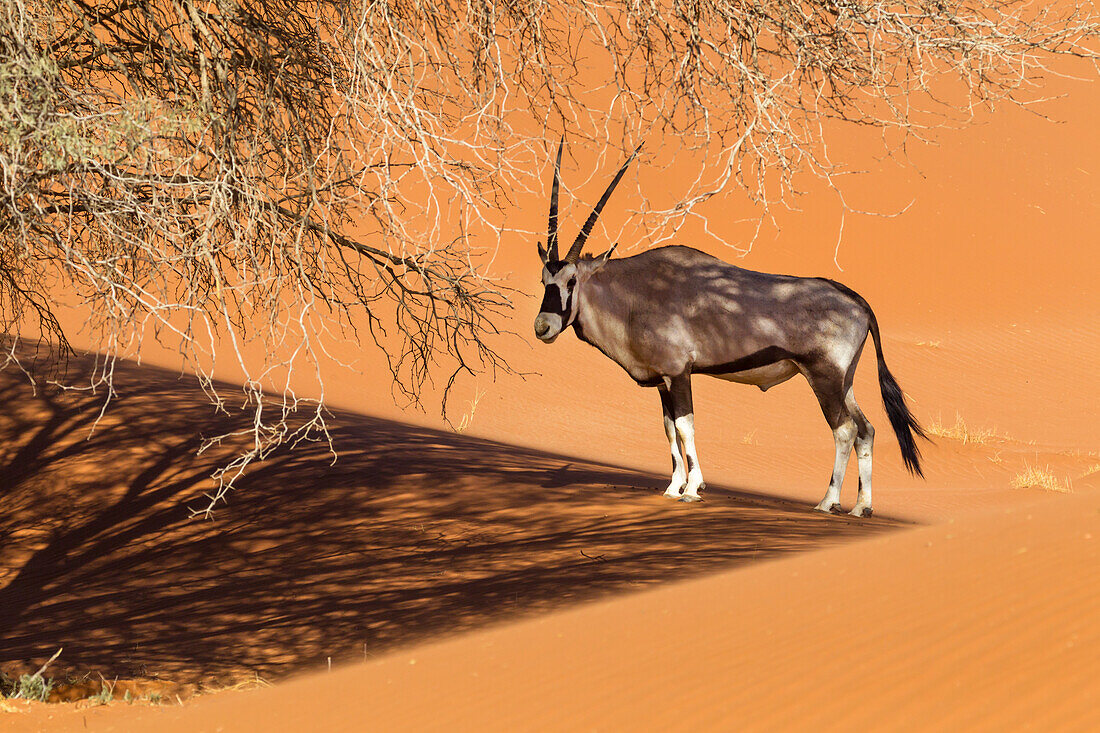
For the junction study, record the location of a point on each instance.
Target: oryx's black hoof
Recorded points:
(690, 499)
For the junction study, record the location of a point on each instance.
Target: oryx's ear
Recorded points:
(600, 259)
(543, 254)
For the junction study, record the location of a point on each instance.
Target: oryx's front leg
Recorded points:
(676, 397)
(679, 471)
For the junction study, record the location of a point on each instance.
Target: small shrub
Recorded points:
(33, 687)
(105, 695)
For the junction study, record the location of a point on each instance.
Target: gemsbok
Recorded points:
(671, 312)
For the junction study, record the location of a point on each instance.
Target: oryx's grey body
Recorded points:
(672, 312)
(675, 309)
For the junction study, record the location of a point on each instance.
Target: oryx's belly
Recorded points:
(764, 377)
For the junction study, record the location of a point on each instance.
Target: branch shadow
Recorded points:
(411, 534)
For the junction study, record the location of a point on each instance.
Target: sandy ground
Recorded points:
(488, 580)
(986, 624)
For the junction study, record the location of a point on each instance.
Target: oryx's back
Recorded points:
(682, 308)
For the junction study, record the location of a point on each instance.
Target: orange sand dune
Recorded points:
(985, 618)
(982, 624)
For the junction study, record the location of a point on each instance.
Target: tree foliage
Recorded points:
(218, 172)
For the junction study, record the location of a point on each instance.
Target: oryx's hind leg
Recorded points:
(865, 441)
(679, 471)
(676, 399)
(830, 391)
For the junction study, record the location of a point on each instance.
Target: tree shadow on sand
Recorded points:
(412, 534)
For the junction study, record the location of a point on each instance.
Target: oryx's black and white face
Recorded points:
(559, 276)
(559, 303)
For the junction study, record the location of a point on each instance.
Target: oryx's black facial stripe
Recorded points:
(558, 296)
(551, 301)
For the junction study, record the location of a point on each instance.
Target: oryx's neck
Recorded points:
(601, 310)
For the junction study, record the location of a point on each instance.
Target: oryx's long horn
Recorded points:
(552, 234)
(575, 251)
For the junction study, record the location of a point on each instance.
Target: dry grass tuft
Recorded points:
(468, 416)
(1036, 478)
(251, 683)
(963, 433)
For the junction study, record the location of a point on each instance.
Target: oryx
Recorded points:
(671, 312)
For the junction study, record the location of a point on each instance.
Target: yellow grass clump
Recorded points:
(962, 432)
(1036, 478)
(468, 417)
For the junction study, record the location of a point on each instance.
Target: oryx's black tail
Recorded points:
(906, 427)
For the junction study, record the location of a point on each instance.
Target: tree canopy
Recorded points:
(215, 172)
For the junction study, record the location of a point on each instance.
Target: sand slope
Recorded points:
(412, 534)
(983, 624)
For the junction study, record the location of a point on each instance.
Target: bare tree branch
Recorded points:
(217, 173)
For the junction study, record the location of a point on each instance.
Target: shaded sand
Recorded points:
(984, 624)
(411, 534)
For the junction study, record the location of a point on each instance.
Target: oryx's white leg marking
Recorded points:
(685, 429)
(844, 437)
(680, 428)
(865, 441)
(679, 472)
(863, 455)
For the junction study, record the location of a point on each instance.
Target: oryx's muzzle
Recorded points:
(548, 326)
